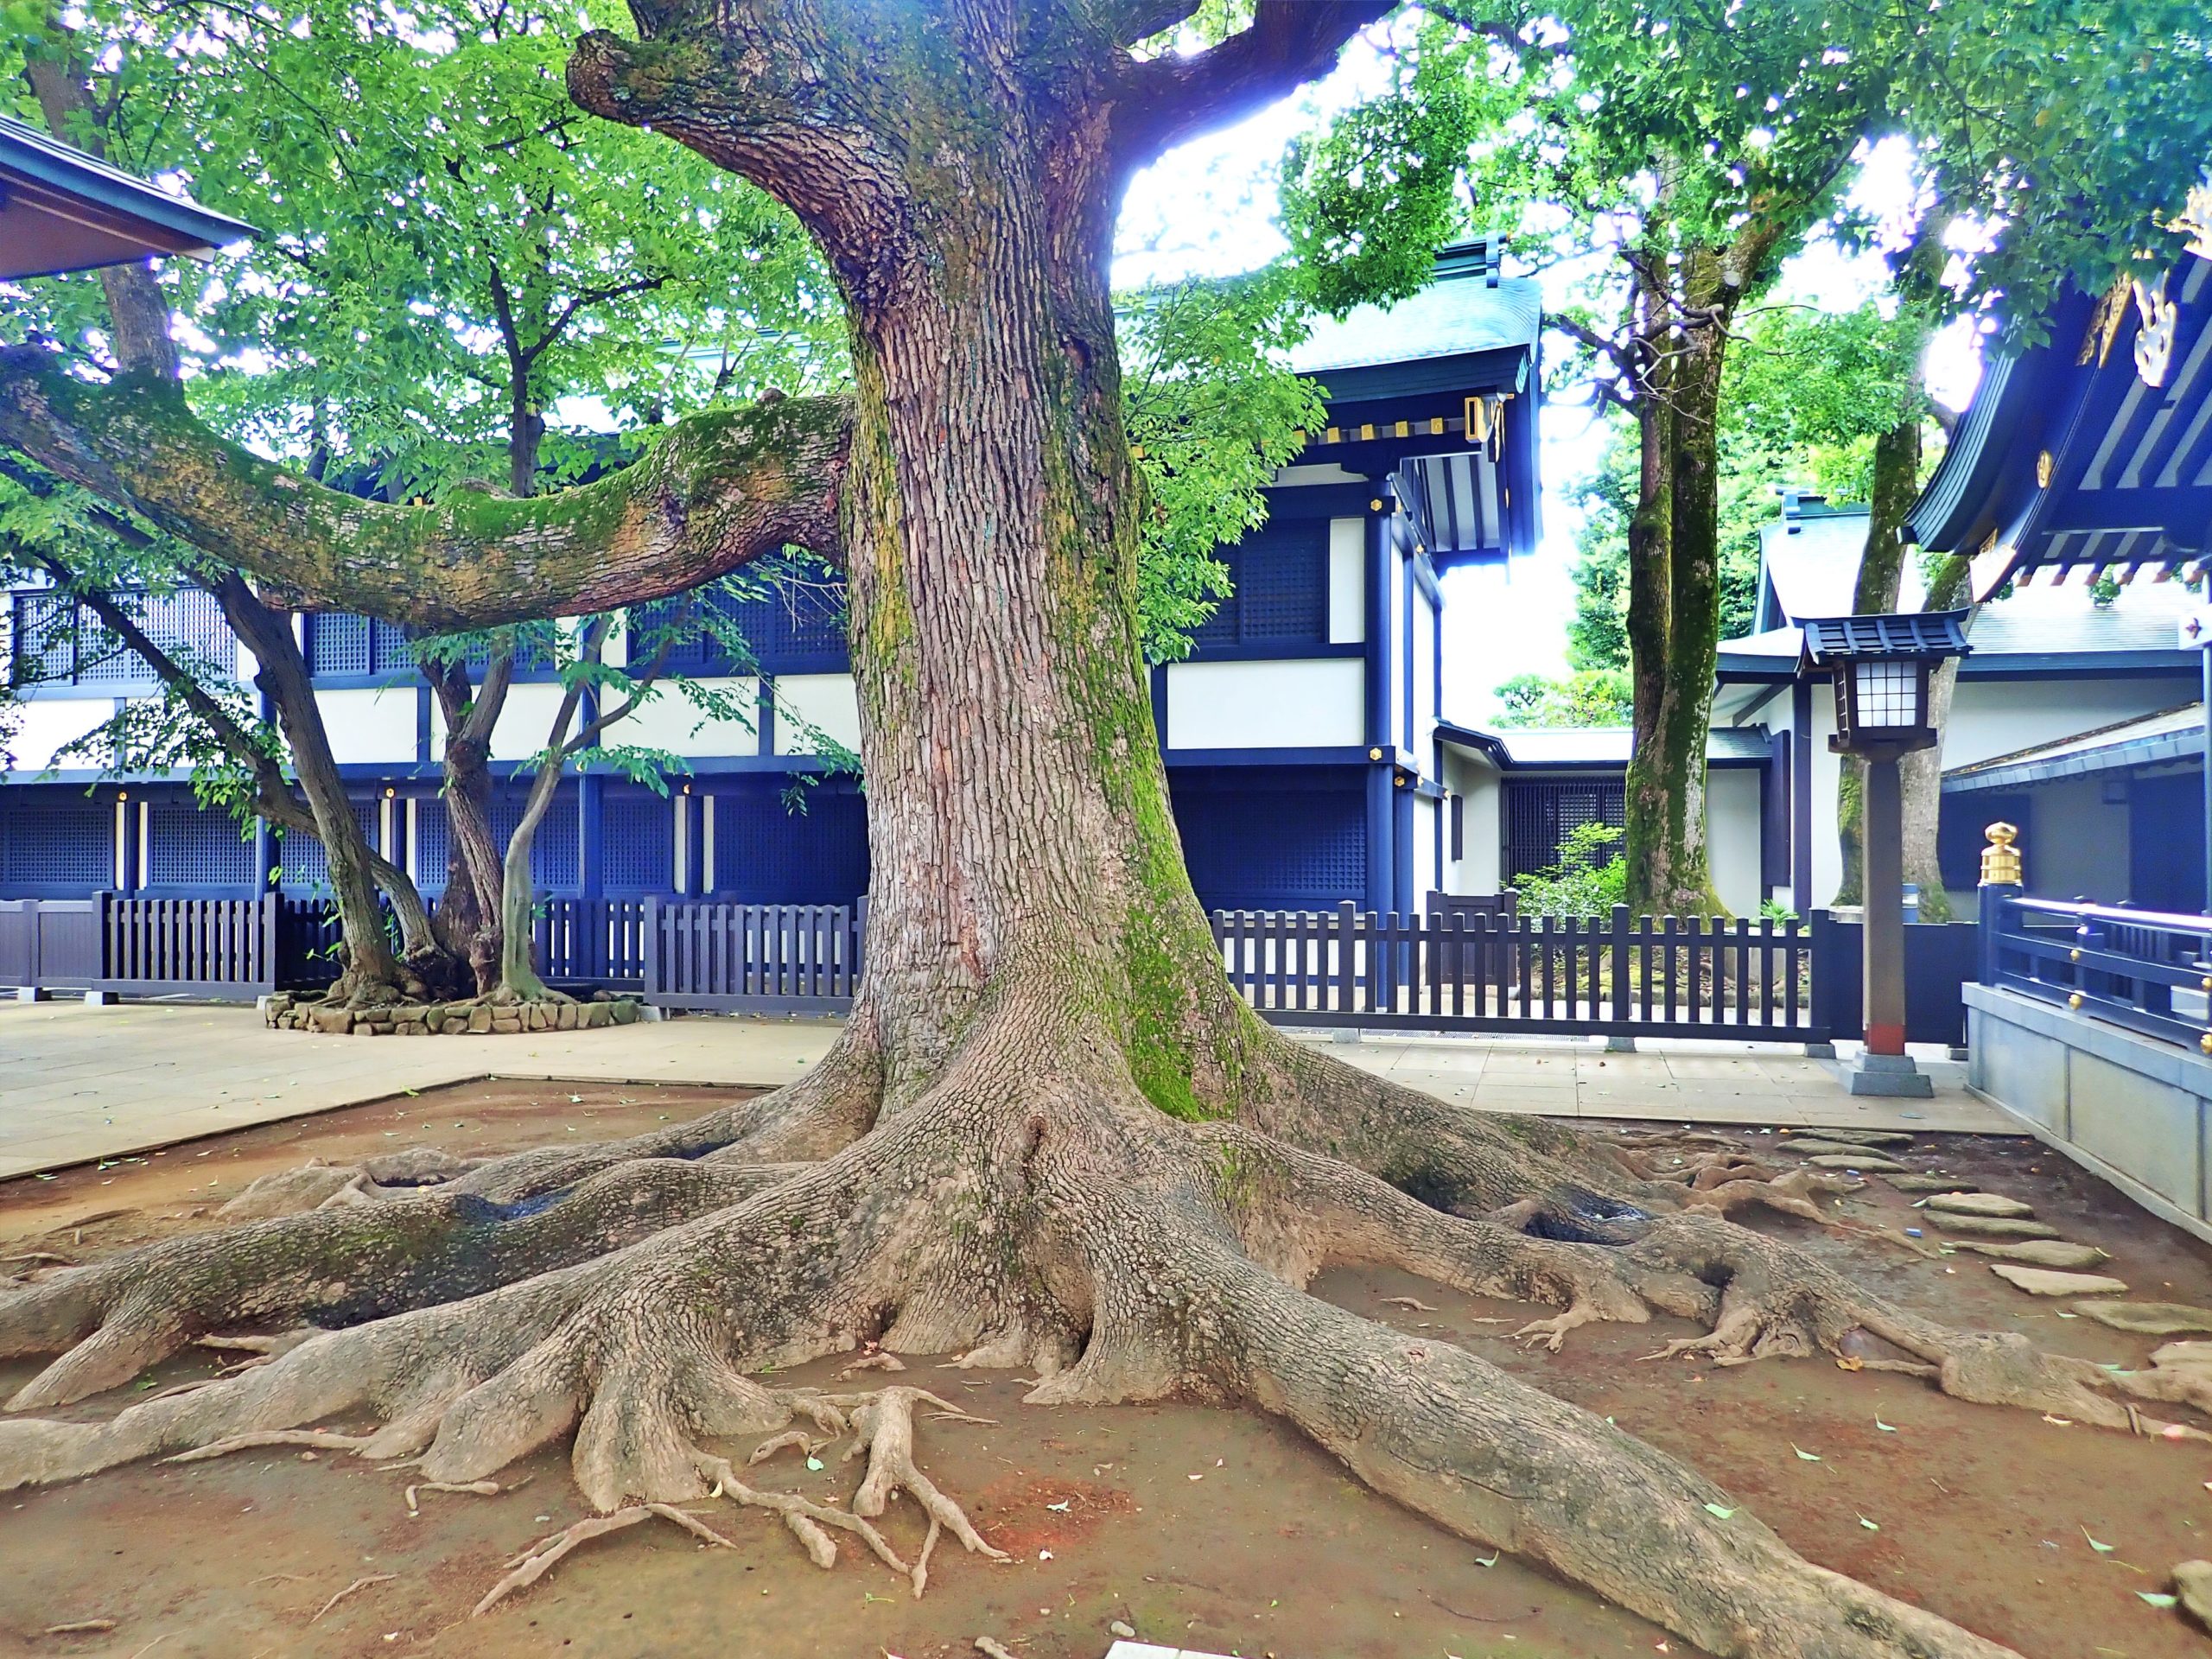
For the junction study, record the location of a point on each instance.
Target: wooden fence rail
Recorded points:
(751, 958)
(1655, 976)
(1618, 976)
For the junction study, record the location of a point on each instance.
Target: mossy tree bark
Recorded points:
(1051, 1135)
(1685, 300)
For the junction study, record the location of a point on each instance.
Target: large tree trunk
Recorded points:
(1674, 613)
(1050, 1134)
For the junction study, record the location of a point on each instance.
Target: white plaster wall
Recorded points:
(2074, 843)
(1732, 838)
(1424, 677)
(672, 721)
(1988, 718)
(1476, 782)
(525, 720)
(1266, 705)
(1425, 867)
(1993, 717)
(370, 723)
(1347, 593)
(1393, 677)
(827, 701)
(46, 723)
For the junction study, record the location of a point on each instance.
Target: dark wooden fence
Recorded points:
(1446, 971)
(50, 942)
(2142, 969)
(1654, 976)
(756, 958)
(219, 947)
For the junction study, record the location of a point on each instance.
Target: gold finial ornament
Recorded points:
(2074, 1001)
(2205, 1042)
(2000, 860)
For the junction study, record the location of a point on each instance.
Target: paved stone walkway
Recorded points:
(80, 1084)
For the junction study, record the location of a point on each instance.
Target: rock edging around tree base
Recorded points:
(288, 1012)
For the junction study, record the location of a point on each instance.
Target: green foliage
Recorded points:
(1589, 879)
(1211, 413)
(1591, 698)
(1804, 395)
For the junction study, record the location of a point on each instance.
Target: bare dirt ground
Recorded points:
(1196, 1527)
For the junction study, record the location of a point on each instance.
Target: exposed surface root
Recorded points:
(1034, 1210)
(339, 1267)
(538, 1559)
(357, 1584)
(322, 1440)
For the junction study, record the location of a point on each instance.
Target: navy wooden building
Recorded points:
(2087, 461)
(1302, 733)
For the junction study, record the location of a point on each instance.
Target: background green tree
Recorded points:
(1697, 150)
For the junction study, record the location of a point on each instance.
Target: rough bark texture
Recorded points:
(1050, 1135)
(717, 490)
(1685, 300)
(1881, 574)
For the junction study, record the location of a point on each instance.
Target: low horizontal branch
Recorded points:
(716, 490)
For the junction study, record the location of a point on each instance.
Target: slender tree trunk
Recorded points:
(1673, 621)
(372, 972)
(1921, 773)
(1881, 573)
(472, 902)
(518, 976)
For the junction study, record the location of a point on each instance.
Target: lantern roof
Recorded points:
(1829, 640)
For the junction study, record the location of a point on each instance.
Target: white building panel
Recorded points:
(1267, 705)
(46, 724)
(371, 725)
(1347, 581)
(1425, 825)
(1425, 709)
(672, 721)
(1732, 838)
(826, 702)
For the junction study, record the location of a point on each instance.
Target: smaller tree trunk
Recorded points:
(371, 971)
(470, 711)
(1881, 575)
(518, 976)
(1921, 776)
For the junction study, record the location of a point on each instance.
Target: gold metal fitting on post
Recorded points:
(2000, 860)
(2074, 1001)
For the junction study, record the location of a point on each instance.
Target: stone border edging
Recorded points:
(288, 1012)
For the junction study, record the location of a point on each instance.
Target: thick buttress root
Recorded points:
(1124, 1256)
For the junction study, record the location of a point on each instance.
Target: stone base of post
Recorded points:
(1888, 1074)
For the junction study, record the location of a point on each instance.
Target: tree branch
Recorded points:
(1290, 42)
(717, 490)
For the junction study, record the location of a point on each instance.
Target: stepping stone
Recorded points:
(1873, 1162)
(2039, 1252)
(1929, 1184)
(1978, 1204)
(2193, 1584)
(1993, 1226)
(2183, 1357)
(1868, 1137)
(2041, 1281)
(2151, 1318)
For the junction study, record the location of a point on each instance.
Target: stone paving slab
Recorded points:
(79, 1084)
